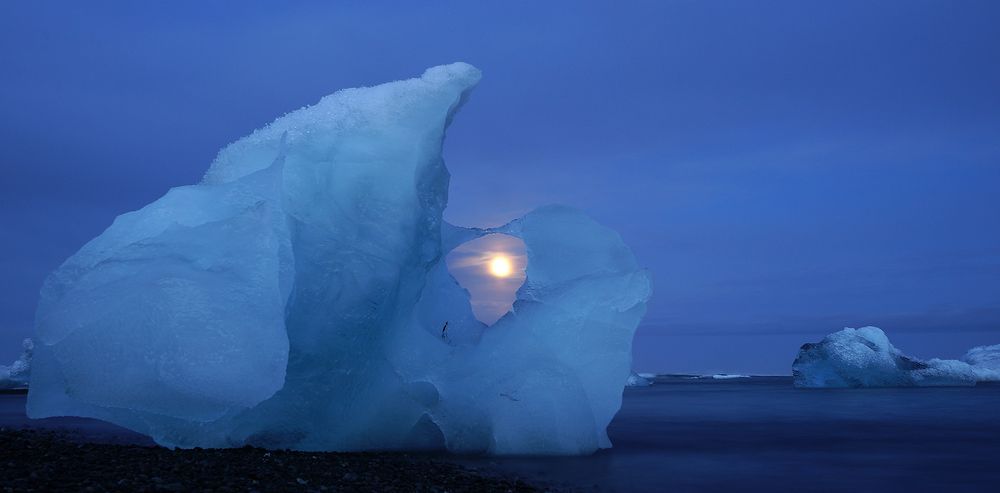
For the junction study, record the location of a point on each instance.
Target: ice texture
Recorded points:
(985, 362)
(865, 358)
(984, 356)
(298, 298)
(16, 375)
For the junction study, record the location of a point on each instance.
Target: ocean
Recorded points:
(750, 434)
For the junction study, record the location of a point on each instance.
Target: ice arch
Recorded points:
(294, 298)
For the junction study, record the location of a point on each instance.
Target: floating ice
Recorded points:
(298, 297)
(16, 375)
(637, 380)
(725, 376)
(985, 360)
(865, 358)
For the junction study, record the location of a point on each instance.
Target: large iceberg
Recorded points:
(16, 375)
(865, 358)
(298, 298)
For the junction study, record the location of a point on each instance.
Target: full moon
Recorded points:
(500, 266)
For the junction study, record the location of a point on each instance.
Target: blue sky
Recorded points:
(783, 168)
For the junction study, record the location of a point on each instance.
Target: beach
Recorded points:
(45, 460)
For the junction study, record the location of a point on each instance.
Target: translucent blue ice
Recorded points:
(298, 297)
(865, 358)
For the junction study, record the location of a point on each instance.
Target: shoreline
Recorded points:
(47, 460)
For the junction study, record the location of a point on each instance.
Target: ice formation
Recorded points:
(725, 376)
(984, 358)
(298, 297)
(637, 380)
(16, 375)
(865, 358)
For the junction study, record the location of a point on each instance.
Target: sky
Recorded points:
(492, 290)
(783, 168)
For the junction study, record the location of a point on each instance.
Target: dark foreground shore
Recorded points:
(34, 460)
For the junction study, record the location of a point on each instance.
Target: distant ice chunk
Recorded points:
(985, 362)
(638, 380)
(16, 375)
(865, 358)
(298, 297)
(726, 376)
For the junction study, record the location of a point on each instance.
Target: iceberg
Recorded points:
(984, 356)
(16, 375)
(297, 297)
(865, 358)
(985, 361)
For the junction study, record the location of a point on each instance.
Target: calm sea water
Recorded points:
(761, 434)
(756, 434)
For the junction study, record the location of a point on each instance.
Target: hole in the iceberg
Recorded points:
(491, 268)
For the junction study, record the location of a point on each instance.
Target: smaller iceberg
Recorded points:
(865, 358)
(985, 360)
(16, 375)
(639, 380)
